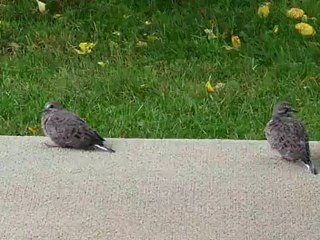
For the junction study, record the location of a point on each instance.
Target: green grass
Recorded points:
(158, 91)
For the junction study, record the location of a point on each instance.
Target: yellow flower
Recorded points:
(236, 42)
(305, 29)
(264, 10)
(41, 6)
(209, 87)
(275, 29)
(295, 13)
(85, 48)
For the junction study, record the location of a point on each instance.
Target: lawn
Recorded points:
(146, 75)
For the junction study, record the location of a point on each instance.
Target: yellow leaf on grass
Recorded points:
(227, 47)
(117, 33)
(305, 29)
(236, 42)
(304, 18)
(295, 13)
(219, 85)
(125, 16)
(102, 64)
(209, 87)
(264, 10)
(32, 130)
(85, 48)
(56, 16)
(275, 29)
(41, 6)
(141, 44)
(152, 37)
(13, 47)
(210, 33)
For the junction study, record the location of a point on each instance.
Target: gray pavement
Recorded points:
(155, 189)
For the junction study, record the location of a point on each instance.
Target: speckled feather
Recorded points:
(288, 136)
(68, 130)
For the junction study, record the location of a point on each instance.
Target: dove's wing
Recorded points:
(69, 130)
(288, 135)
(300, 138)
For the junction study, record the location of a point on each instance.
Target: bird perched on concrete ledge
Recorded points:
(288, 136)
(67, 130)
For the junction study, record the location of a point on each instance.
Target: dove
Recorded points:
(288, 136)
(67, 130)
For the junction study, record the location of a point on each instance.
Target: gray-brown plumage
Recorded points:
(287, 135)
(67, 130)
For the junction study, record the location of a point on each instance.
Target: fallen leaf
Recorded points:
(117, 33)
(152, 37)
(209, 87)
(275, 29)
(102, 64)
(264, 10)
(236, 42)
(314, 78)
(56, 16)
(219, 86)
(213, 23)
(304, 18)
(143, 86)
(85, 48)
(125, 16)
(295, 13)
(13, 47)
(32, 129)
(113, 45)
(305, 29)
(41, 6)
(210, 33)
(227, 47)
(141, 44)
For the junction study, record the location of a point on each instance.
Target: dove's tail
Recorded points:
(311, 167)
(105, 148)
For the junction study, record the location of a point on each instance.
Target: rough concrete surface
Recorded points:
(155, 189)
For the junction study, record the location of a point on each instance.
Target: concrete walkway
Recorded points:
(155, 189)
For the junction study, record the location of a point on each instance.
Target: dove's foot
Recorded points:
(51, 145)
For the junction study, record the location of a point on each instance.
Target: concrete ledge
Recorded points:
(155, 189)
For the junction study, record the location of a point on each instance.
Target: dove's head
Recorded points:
(52, 106)
(283, 109)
